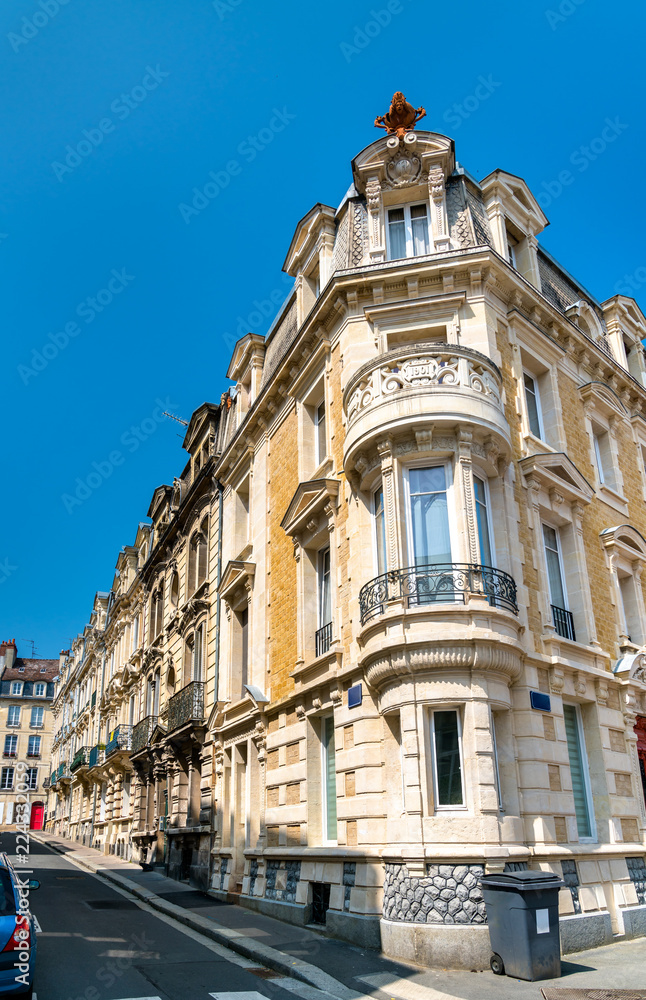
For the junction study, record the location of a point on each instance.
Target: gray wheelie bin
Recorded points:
(523, 918)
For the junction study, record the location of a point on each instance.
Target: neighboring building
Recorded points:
(428, 656)
(26, 695)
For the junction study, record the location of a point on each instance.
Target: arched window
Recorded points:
(156, 613)
(198, 654)
(198, 557)
(174, 589)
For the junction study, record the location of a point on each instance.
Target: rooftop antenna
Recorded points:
(33, 646)
(173, 417)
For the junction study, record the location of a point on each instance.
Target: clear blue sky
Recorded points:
(169, 286)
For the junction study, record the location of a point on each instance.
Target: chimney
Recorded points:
(61, 659)
(8, 653)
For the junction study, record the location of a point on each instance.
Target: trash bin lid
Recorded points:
(523, 881)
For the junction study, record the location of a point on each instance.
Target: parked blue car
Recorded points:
(17, 932)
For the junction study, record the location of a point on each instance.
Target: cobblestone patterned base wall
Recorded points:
(449, 894)
(282, 879)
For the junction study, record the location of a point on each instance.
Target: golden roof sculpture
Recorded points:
(401, 118)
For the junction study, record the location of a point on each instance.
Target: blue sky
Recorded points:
(116, 302)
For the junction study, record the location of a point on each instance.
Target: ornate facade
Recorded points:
(423, 619)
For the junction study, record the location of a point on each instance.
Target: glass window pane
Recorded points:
(428, 480)
(597, 452)
(380, 529)
(419, 225)
(483, 521)
(557, 591)
(397, 233)
(448, 769)
(579, 791)
(329, 777)
(321, 443)
(325, 597)
(531, 396)
(429, 516)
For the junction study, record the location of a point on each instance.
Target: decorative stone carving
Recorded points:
(403, 170)
(373, 194)
(436, 183)
(401, 118)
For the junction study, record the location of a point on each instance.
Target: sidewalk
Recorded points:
(306, 954)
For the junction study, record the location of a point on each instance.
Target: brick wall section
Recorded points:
(283, 480)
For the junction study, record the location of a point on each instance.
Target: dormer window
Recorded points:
(512, 243)
(408, 231)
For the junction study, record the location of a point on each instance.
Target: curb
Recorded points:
(248, 947)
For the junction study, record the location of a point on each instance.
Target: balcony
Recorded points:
(53, 778)
(563, 623)
(323, 639)
(408, 387)
(121, 740)
(440, 583)
(80, 759)
(64, 771)
(97, 755)
(186, 706)
(142, 732)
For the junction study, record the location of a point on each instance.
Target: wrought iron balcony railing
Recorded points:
(121, 740)
(563, 623)
(323, 639)
(437, 583)
(63, 770)
(53, 777)
(97, 755)
(186, 706)
(142, 732)
(80, 759)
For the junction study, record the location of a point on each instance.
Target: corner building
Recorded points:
(432, 625)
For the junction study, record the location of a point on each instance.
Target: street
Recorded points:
(96, 944)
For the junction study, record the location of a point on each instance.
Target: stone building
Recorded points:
(26, 726)
(416, 646)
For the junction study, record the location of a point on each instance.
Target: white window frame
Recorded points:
(492, 540)
(379, 488)
(37, 725)
(16, 689)
(559, 552)
(408, 228)
(539, 409)
(13, 709)
(450, 502)
(601, 474)
(37, 752)
(40, 694)
(12, 738)
(320, 458)
(8, 787)
(492, 722)
(592, 839)
(320, 576)
(31, 778)
(324, 783)
(458, 709)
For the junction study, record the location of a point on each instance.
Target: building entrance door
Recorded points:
(640, 729)
(37, 814)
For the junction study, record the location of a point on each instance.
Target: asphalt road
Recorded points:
(99, 944)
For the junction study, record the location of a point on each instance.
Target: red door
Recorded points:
(640, 729)
(37, 813)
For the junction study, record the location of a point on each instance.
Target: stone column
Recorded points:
(439, 220)
(468, 502)
(390, 505)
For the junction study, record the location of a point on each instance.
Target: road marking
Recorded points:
(402, 988)
(249, 995)
(39, 929)
(301, 989)
(142, 998)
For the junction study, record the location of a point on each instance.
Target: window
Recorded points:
(482, 517)
(6, 779)
(408, 232)
(512, 243)
(603, 456)
(597, 454)
(34, 746)
(533, 402)
(174, 589)
(630, 607)
(429, 533)
(244, 650)
(36, 720)
(16, 687)
(40, 690)
(135, 634)
(380, 529)
(13, 718)
(447, 759)
(197, 558)
(579, 771)
(43, 670)
(324, 594)
(10, 746)
(198, 653)
(31, 777)
(561, 616)
(321, 436)
(328, 779)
